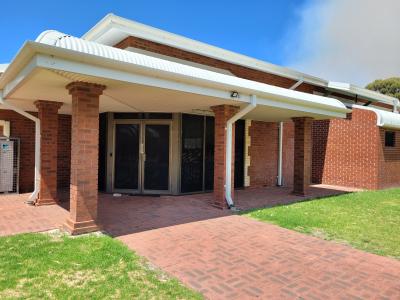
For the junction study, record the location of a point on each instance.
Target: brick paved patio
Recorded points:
(227, 256)
(234, 257)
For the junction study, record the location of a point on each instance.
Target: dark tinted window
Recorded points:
(390, 139)
(192, 153)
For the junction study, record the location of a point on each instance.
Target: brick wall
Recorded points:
(288, 153)
(236, 70)
(263, 152)
(346, 151)
(320, 130)
(389, 159)
(24, 129)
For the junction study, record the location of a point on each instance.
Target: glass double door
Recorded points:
(142, 157)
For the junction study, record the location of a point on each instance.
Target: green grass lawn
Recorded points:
(366, 220)
(45, 266)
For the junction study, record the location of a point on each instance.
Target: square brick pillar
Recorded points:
(222, 114)
(48, 115)
(84, 157)
(302, 155)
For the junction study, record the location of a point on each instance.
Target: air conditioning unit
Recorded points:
(9, 165)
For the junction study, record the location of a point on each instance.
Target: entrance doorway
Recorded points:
(142, 155)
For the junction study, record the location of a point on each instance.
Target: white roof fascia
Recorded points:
(385, 119)
(69, 53)
(112, 29)
(362, 92)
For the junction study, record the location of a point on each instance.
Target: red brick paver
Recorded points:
(18, 217)
(234, 257)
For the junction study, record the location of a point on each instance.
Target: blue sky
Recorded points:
(255, 28)
(353, 41)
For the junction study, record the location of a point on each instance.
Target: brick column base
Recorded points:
(48, 115)
(84, 157)
(222, 114)
(302, 155)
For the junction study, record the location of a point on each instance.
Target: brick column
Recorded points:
(302, 155)
(222, 114)
(48, 115)
(84, 157)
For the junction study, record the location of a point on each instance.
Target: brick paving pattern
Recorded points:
(234, 257)
(226, 256)
(18, 217)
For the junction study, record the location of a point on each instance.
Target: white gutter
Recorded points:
(280, 141)
(228, 169)
(384, 119)
(32, 198)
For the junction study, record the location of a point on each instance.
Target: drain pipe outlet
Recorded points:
(228, 169)
(280, 141)
(33, 197)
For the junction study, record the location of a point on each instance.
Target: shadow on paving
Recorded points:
(127, 214)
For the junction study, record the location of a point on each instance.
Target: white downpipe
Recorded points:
(280, 155)
(280, 142)
(32, 198)
(228, 154)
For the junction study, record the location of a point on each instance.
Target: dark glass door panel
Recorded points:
(239, 153)
(209, 155)
(192, 153)
(126, 156)
(156, 164)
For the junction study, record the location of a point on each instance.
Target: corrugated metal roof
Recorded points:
(177, 70)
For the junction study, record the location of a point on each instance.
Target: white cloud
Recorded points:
(354, 41)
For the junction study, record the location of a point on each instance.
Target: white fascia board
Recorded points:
(384, 119)
(112, 29)
(24, 74)
(53, 63)
(351, 89)
(305, 109)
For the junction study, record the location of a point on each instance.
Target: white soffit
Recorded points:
(385, 119)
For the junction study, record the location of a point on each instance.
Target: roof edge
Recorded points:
(132, 28)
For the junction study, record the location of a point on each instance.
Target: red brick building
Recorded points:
(132, 109)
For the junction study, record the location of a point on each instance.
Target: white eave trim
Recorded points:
(384, 119)
(112, 29)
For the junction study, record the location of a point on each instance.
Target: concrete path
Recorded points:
(234, 257)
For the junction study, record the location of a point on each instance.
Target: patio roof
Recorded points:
(138, 82)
